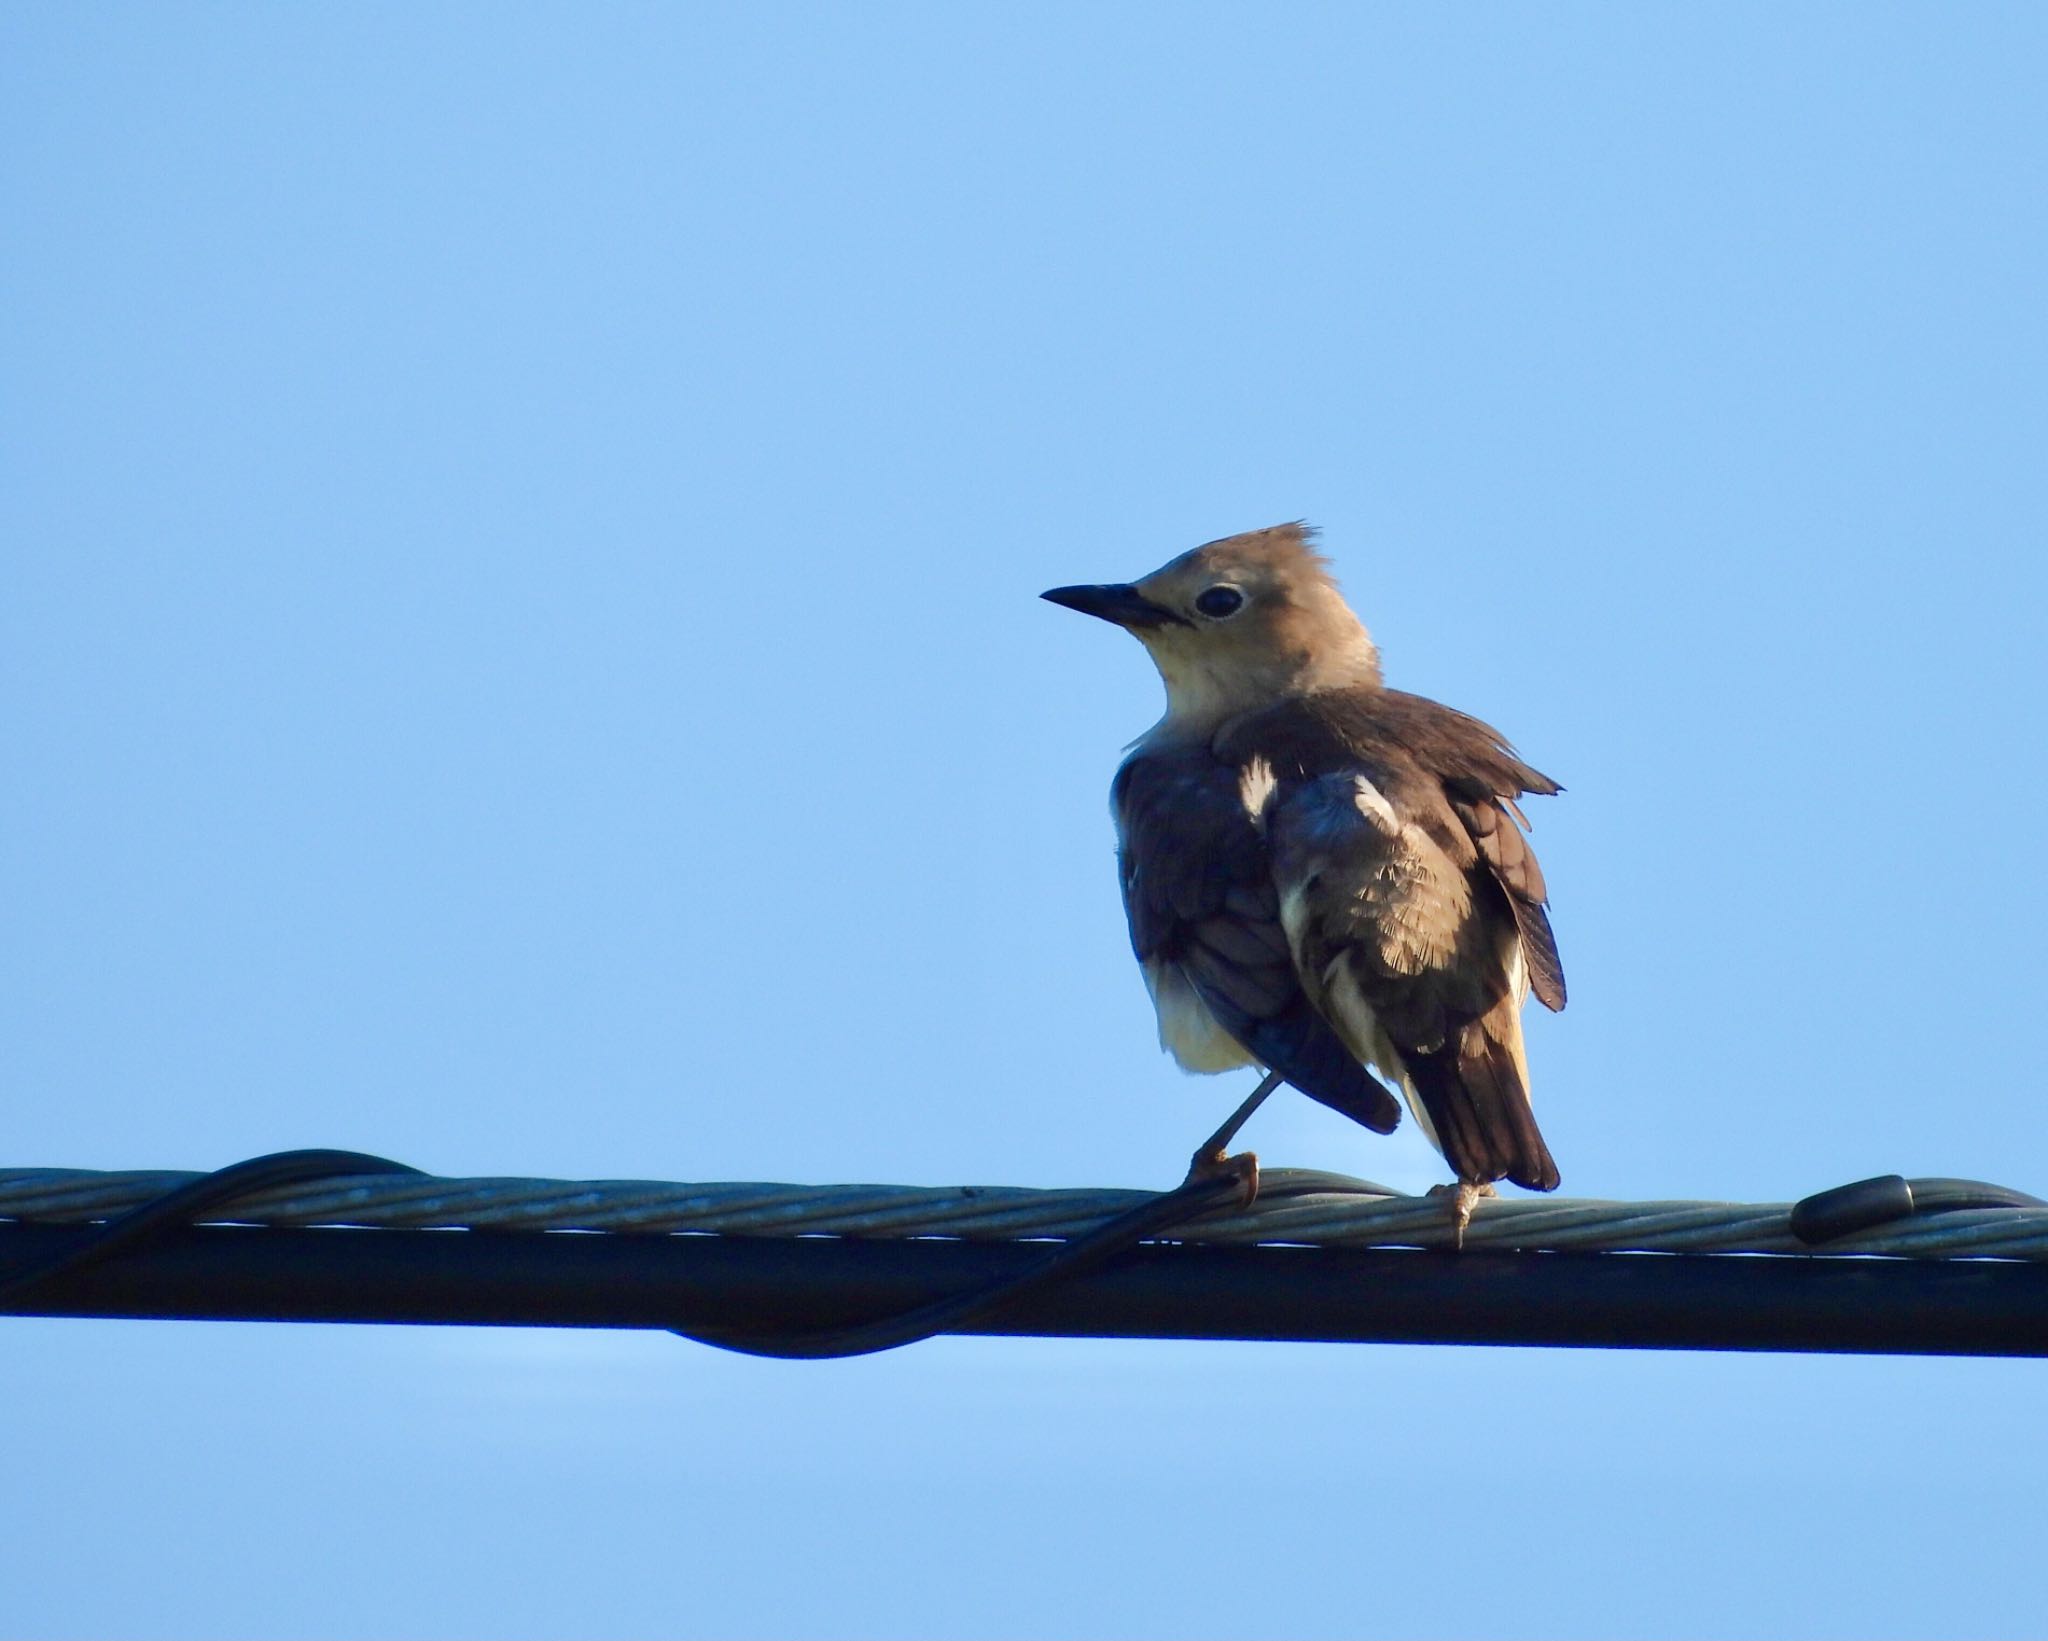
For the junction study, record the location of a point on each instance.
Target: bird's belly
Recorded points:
(1187, 1030)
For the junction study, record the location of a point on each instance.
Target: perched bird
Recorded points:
(1323, 876)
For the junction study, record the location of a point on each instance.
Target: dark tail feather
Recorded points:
(1475, 1100)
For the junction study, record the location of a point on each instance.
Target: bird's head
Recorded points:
(1237, 624)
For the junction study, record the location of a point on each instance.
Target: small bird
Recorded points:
(1323, 876)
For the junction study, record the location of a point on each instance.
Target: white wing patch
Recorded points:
(1256, 784)
(1372, 804)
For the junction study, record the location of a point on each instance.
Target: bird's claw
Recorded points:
(1242, 1167)
(1462, 1197)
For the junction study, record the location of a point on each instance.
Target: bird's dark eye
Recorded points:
(1217, 602)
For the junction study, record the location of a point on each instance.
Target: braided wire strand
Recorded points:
(1295, 1207)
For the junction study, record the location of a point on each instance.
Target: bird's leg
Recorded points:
(1210, 1162)
(1462, 1197)
(1210, 1151)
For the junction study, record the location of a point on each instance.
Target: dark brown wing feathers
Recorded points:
(1507, 853)
(1425, 954)
(1199, 894)
(1393, 731)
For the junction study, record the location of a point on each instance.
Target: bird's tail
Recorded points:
(1476, 1092)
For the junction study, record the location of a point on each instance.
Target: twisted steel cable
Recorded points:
(1916, 1219)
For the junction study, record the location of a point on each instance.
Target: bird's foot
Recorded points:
(1462, 1197)
(1242, 1167)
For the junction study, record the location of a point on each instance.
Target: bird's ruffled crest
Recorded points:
(1289, 549)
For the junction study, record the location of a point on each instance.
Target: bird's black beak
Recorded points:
(1119, 602)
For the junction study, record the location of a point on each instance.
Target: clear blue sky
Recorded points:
(521, 654)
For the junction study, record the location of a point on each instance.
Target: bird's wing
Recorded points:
(1199, 894)
(1505, 849)
(1411, 916)
(1404, 939)
(1481, 777)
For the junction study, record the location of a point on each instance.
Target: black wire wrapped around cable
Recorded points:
(189, 1203)
(1067, 1260)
